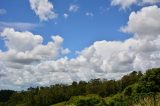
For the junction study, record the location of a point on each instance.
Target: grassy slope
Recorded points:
(146, 101)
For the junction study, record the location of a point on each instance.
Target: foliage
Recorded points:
(7, 94)
(132, 89)
(88, 100)
(59, 104)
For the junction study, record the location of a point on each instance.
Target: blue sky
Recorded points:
(44, 42)
(78, 30)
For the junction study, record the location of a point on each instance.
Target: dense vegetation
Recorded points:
(134, 89)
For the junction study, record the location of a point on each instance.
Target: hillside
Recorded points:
(96, 100)
(134, 89)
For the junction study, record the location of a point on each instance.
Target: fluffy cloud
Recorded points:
(44, 9)
(31, 63)
(25, 47)
(132, 54)
(19, 40)
(73, 8)
(28, 62)
(127, 3)
(144, 23)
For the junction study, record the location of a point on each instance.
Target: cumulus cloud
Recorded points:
(132, 54)
(44, 9)
(127, 3)
(28, 62)
(144, 22)
(25, 47)
(19, 40)
(31, 63)
(73, 8)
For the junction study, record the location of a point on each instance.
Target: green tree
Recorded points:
(150, 82)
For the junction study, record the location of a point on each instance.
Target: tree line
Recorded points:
(126, 90)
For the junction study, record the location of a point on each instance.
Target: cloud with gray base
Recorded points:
(28, 62)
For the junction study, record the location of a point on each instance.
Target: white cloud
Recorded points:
(65, 15)
(114, 56)
(123, 3)
(25, 47)
(73, 8)
(44, 9)
(2, 11)
(33, 63)
(150, 1)
(89, 14)
(17, 25)
(144, 22)
(20, 41)
(127, 3)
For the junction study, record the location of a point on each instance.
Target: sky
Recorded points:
(44, 42)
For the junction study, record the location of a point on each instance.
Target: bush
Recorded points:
(89, 100)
